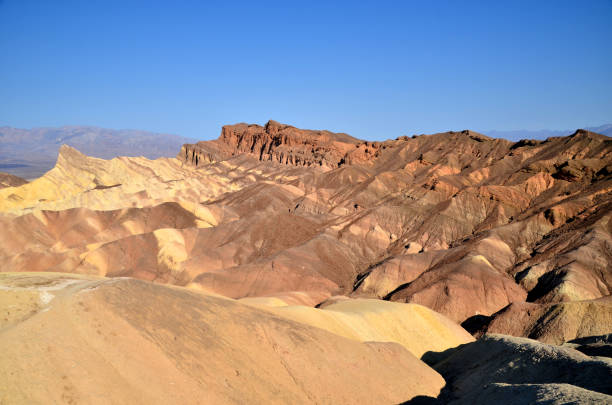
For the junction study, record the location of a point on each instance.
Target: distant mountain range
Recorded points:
(29, 153)
(516, 135)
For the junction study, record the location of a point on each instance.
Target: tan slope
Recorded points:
(64, 240)
(464, 288)
(88, 340)
(415, 327)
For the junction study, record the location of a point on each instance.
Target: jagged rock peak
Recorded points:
(69, 155)
(272, 127)
(67, 150)
(587, 134)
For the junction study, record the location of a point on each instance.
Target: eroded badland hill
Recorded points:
(276, 264)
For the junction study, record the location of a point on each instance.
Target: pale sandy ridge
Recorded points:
(129, 341)
(415, 327)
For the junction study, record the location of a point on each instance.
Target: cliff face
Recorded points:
(274, 142)
(288, 145)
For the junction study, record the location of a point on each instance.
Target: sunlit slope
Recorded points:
(415, 327)
(80, 181)
(91, 340)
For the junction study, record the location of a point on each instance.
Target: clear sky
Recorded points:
(375, 69)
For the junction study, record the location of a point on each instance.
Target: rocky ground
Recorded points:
(411, 243)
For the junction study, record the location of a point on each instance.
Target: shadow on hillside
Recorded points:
(593, 339)
(531, 375)
(477, 324)
(423, 400)
(432, 358)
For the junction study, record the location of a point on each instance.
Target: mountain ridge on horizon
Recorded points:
(29, 153)
(518, 134)
(42, 143)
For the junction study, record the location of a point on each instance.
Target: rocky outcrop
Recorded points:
(277, 143)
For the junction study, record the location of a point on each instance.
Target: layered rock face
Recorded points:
(458, 222)
(273, 142)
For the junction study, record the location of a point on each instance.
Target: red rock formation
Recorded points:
(275, 142)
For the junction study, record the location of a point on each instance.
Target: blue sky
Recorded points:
(375, 69)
